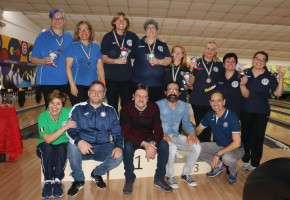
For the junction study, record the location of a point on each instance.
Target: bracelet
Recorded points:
(43, 61)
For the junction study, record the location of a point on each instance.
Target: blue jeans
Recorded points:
(162, 158)
(102, 153)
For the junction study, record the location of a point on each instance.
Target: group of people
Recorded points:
(154, 105)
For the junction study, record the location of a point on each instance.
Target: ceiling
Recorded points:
(240, 26)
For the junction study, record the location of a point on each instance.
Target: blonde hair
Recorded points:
(183, 59)
(215, 57)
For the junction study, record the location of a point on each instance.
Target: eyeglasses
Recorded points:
(97, 91)
(57, 18)
(83, 29)
(230, 62)
(260, 59)
(140, 96)
(172, 90)
(150, 29)
(178, 52)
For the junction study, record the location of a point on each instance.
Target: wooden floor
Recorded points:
(20, 179)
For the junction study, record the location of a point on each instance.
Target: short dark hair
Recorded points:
(55, 10)
(263, 53)
(230, 55)
(217, 92)
(97, 83)
(141, 87)
(56, 94)
(165, 88)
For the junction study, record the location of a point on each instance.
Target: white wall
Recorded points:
(19, 26)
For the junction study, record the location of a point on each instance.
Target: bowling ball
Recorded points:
(14, 50)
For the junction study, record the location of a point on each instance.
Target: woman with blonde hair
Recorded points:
(205, 76)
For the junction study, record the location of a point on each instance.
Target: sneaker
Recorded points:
(216, 171)
(99, 181)
(189, 180)
(172, 182)
(57, 190)
(245, 166)
(47, 191)
(163, 185)
(252, 168)
(178, 154)
(75, 187)
(233, 178)
(128, 188)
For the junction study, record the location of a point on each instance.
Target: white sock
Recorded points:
(56, 180)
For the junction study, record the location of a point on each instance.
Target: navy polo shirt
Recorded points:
(44, 43)
(201, 92)
(109, 47)
(259, 88)
(223, 127)
(143, 72)
(232, 92)
(82, 74)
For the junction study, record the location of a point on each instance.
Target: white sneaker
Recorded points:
(188, 178)
(245, 166)
(179, 155)
(252, 168)
(172, 182)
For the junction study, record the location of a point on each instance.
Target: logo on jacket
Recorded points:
(103, 114)
(265, 81)
(235, 84)
(160, 48)
(216, 69)
(85, 114)
(225, 124)
(129, 43)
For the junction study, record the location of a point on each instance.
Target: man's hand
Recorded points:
(150, 149)
(116, 153)
(85, 147)
(192, 139)
(167, 138)
(214, 162)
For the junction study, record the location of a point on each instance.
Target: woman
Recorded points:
(53, 42)
(52, 144)
(178, 69)
(205, 76)
(116, 50)
(256, 109)
(151, 55)
(83, 62)
(232, 84)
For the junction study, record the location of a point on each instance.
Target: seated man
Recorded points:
(172, 112)
(96, 121)
(227, 135)
(139, 118)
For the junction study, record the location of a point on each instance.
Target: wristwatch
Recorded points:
(216, 154)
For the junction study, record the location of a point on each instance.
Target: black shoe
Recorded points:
(163, 186)
(75, 187)
(99, 181)
(128, 188)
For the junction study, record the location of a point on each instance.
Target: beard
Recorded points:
(172, 98)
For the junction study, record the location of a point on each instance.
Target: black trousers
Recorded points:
(82, 95)
(155, 93)
(53, 160)
(199, 112)
(47, 89)
(116, 89)
(253, 127)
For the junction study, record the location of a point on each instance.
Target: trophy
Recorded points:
(149, 58)
(124, 53)
(186, 78)
(53, 56)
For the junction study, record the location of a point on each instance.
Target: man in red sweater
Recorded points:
(141, 128)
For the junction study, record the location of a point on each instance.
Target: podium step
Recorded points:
(143, 168)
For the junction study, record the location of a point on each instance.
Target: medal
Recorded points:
(58, 43)
(208, 80)
(124, 51)
(151, 54)
(59, 50)
(88, 55)
(174, 75)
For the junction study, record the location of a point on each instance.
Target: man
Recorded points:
(141, 128)
(227, 135)
(172, 112)
(96, 121)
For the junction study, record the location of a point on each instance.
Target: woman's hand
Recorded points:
(74, 90)
(244, 80)
(281, 73)
(70, 124)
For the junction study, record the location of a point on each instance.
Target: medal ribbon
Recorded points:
(152, 50)
(121, 47)
(207, 71)
(87, 54)
(174, 75)
(59, 43)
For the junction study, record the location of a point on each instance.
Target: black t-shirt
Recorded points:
(232, 92)
(201, 92)
(109, 47)
(168, 77)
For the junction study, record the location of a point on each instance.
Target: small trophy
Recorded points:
(186, 78)
(124, 53)
(53, 56)
(149, 58)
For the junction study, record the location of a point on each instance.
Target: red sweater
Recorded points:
(138, 126)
